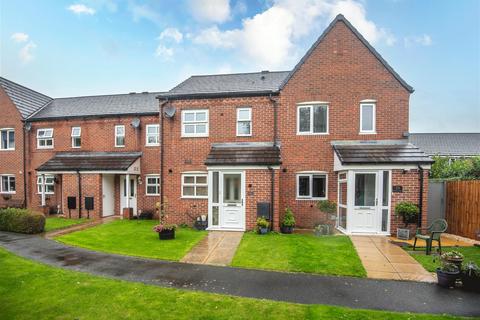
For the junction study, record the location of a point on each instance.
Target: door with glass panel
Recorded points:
(226, 200)
(364, 216)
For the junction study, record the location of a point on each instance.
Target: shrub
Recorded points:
(327, 206)
(262, 223)
(463, 169)
(21, 221)
(407, 210)
(288, 219)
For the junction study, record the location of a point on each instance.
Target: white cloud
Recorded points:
(171, 33)
(269, 38)
(26, 54)
(210, 10)
(164, 52)
(19, 37)
(143, 11)
(81, 9)
(423, 40)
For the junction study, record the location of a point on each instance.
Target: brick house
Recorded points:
(235, 146)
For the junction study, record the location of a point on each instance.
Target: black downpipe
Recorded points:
(272, 171)
(25, 199)
(79, 194)
(162, 104)
(420, 201)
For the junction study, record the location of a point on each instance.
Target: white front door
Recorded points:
(108, 195)
(132, 188)
(364, 215)
(227, 200)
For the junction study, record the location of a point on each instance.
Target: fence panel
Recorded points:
(436, 201)
(463, 208)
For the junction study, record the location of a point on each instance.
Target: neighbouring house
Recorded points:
(236, 146)
(450, 145)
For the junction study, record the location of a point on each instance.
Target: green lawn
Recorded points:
(30, 290)
(333, 255)
(54, 223)
(431, 262)
(134, 238)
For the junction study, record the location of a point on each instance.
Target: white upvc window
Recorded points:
(194, 185)
(76, 137)
(7, 139)
(120, 136)
(7, 183)
(244, 122)
(152, 187)
(312, 119)
(152, 134)
(367, 118)
(45, 138)
(312, 186)
(49, 184)
(195, 123)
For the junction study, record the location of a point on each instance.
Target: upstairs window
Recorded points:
(45, 138)
(153, 134)
(312, 186)
(49, 184)
(195, 123)
(312, 119)
(120, 136)
(153, 185)
(76, 137)
(7, 139)
(7, 184)
(367, 117)
(244, 122)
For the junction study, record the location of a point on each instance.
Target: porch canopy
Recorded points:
(228, 154)
(111, 162)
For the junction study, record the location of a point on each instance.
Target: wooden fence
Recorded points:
(463, 208)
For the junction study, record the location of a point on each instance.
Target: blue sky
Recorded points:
(85, 47)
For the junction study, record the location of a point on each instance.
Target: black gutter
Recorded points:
(209, 95)
(420, 198)
(93, 116)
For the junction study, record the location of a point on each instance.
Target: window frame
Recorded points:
(147, 135)
(249, 109)
(194, 122)
(156, 185)
(194, 184)
(374, 115)
(8, 130)
(45, 138)
(8, 176)
(117, 135)
(39, 183)
(310, 175)
(311, 106)
(79, 136)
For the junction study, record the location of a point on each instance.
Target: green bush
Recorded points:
(460, 169)
(21, 221)
(407, 210)
(327, 206)
(288, 218)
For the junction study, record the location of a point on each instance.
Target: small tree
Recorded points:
(288, 218)
(327, 206)
(407, 210)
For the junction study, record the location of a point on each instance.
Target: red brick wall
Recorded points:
(11, 162)
(91, 187)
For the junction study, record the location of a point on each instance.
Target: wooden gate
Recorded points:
(463, 208)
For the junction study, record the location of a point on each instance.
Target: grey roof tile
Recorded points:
(90, 161)
(105, 105)
(26, 100)
(229, 84)
(244, 154)
(447, 144)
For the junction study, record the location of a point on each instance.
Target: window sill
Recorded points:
(194, 198)
(152, 195)
(6, 193)
(45, 148)
(311, 199)
(367, 132)
(152, 145)
(47, 193)
(7, 149)
(313, 133)
(119, 146)
(194, 136)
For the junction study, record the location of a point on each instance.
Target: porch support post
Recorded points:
(43, 191)
(127, 190)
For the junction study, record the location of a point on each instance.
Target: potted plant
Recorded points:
(447, 274)
(165, 231)
(288, 221)
(471, 277)
(408, 211)
(201, 223)
(262, 226)
(453, 257)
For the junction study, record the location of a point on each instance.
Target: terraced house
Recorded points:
(235, 146)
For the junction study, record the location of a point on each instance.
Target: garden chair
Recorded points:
(434, 232)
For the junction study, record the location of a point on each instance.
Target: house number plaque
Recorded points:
(397, 189)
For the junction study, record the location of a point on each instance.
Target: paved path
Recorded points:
(77, 227)
(291, 287)
(384, 260)
(217, 248)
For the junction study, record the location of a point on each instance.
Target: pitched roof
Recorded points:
(222, 85)
(341, 18)
(447, 144)
(105, 105)
(379, 152)
(90, 161)
(244, 154)
(26, 100)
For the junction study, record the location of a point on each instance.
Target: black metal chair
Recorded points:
(434, 233)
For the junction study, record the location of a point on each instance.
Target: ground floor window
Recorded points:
(312, 186)
(49, 184)
(194, 185)
(7, 184)
(153, 185)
